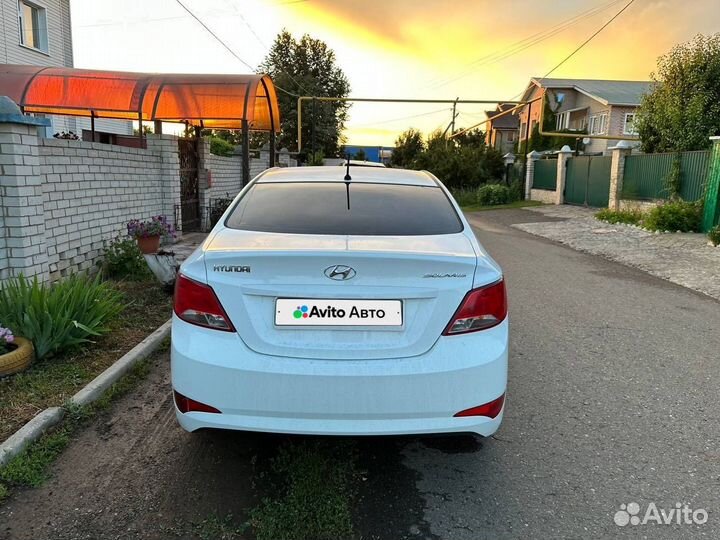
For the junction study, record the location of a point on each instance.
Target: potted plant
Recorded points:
(16, 353)
(149, 232)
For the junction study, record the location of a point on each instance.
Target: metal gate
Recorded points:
(189, 185)
(588, 181)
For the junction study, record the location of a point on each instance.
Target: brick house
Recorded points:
(39, 33)
(502, 132)
(597, 107)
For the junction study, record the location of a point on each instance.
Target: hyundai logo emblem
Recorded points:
(340, 272)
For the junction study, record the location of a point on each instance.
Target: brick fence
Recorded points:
(61, 201)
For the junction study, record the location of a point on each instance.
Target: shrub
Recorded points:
(221, 147)
(60, 316)
(629, 216)
(492, 194)
(714, 235)
(674, 216)
(517, 190)
(464, 196)
(218, 207)
(123, 260)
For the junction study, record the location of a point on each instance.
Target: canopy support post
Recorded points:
(271, 161)
(92, 125)
(157, 127)
(245, 151)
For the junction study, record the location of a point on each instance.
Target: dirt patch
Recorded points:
(54, 380)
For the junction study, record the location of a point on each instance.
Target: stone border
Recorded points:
(43, 421)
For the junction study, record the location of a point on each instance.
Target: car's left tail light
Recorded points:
(197, 303)
(481, 309)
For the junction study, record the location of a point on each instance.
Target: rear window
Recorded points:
(322, 208)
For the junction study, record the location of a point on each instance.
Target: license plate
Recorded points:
(319, 312)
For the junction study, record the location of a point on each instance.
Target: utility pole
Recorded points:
(312, 130)
(454, 116)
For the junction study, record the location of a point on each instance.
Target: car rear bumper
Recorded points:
(415, 395)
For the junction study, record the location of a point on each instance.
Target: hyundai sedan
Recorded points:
(325, 303)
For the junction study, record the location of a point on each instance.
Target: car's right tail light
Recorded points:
(196, 303)
(481, 309)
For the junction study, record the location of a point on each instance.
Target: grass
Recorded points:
(219, 528)
(311, 492)
(52, 381)
(30, 468)
(515, 204)
(629, 216)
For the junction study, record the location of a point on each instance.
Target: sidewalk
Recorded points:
(684, 259)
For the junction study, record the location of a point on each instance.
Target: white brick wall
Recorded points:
(90, 191)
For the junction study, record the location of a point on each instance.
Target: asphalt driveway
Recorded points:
(613, 399)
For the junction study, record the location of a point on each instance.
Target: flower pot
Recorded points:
(18, 359)
(148, 244)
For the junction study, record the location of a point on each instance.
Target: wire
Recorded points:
(588, 40)
(525, 43)
(444, 109)
(231, 51)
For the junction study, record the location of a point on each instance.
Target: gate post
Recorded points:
(532, 157)
(563, 155)
(712, 189)
(617, 172)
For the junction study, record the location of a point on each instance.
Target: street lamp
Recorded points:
(509, 162)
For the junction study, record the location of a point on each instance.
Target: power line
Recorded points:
(525, 43)
(588, 40)
(231, 51)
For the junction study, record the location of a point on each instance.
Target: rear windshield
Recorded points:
(347, 209)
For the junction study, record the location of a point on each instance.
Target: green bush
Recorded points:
(221, 147)
(493, 194)
(630, 216)
(60, 316)
(465, 197)
(517, 190)
(714, 235)
(674, 216)
(123, 259)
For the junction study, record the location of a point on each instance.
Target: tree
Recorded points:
(682, 110)
(308, 67)
(360, 155)
(408, 146)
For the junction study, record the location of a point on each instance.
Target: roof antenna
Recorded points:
(347, 182)
(347, 174)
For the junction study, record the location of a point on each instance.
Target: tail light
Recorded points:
(480, 309)
(197, 304)
(185, 404)
(491, 409)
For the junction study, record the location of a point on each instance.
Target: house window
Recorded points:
(511, 136)
(523, 129)
(33, 26)
(598, 124)
(629, 124)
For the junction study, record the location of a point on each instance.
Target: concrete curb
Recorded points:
(34, 429)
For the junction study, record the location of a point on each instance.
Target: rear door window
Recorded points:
(338, 208)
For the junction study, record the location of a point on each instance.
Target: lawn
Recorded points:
(53, 380)
(516, 204)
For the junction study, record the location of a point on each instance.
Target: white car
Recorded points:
(319, 305)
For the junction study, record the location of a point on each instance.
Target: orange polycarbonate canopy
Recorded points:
(211, 101)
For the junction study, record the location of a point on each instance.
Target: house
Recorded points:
(39, 33)
(594, 107)
(502, 131)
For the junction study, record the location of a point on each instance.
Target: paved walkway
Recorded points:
(684, 259)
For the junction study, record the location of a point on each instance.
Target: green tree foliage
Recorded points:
(408, 146)
(360, 155)
(462, 162)
(308, 67)
(682, 110)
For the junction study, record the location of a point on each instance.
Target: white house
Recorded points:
(39, 33)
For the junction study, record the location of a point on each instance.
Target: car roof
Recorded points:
(373, 175)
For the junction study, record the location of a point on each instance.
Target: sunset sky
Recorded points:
(397, 48)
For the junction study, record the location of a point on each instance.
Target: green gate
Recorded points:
(588, 181)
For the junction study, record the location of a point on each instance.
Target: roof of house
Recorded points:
(508, 121)
(608, 92)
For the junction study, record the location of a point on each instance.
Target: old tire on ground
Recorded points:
(18, 359)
